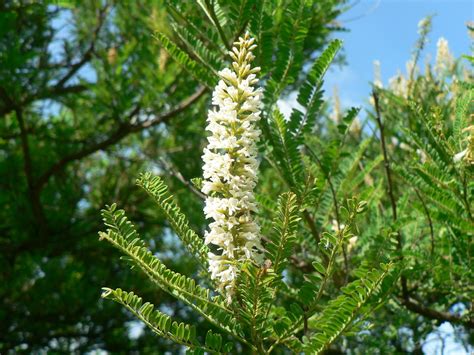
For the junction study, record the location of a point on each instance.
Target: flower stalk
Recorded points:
(230, 168)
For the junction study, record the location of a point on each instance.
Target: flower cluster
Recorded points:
(399, 85)
(377, 74)
(444, 58)
(230, 168)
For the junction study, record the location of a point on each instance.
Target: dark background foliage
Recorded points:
(89, 99)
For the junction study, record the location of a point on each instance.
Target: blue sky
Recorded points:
(386, 30)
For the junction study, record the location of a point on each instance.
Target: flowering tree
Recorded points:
(247, 276)
(280, 274)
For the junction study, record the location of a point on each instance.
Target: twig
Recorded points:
(177, 174)
(88, 53)
(437, 315)
(33, 192)
(430, 222)
(123, 130)
(312, 225)
(388, 174)
(336, 207)
(214, 18)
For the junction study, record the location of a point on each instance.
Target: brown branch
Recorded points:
(9, 105)
(123, 130)
(56, 91)
(385, 155)
(430, 222)
(301, 264)
(33, 193)
(430, 313)
(388, 174)
(177, 174)
(336, 206)
(312, 226)
(338, 219)
(183, 105)
(58, 88)
(87, 56)
(47, 93)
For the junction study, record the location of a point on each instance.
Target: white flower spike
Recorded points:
(230, 168)
(444, 58)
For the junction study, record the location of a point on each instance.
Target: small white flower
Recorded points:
(458, 157)
(351, 243)
(422, 156)
(335, 226)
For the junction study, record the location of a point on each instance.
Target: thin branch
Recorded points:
(312, 225)
(388, 174)
(9, 105)
(88, 53)
(58, 88)
(56, 91)
(183, 105)
(385, 155)
(212, 13)
(33, 193)
(430, 222)
(241, 31)
(45, 93)
(465, 196)
(336, 207)
(25, 148)
(437, 315)
(301, 264)
(123, 130)
(175, 12)
(177, 174)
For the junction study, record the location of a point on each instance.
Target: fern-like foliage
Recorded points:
(157, 189)
(198, 49)
(281, 243)
(285, 152)
(122, 235)
(164, 326)
(309, 289)
(258, 286)
(286, 138)
(310, 93)
(443, 181)
(201, 73)
(160, 323)
(255, 296)
(339, 314)
(292, 33)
